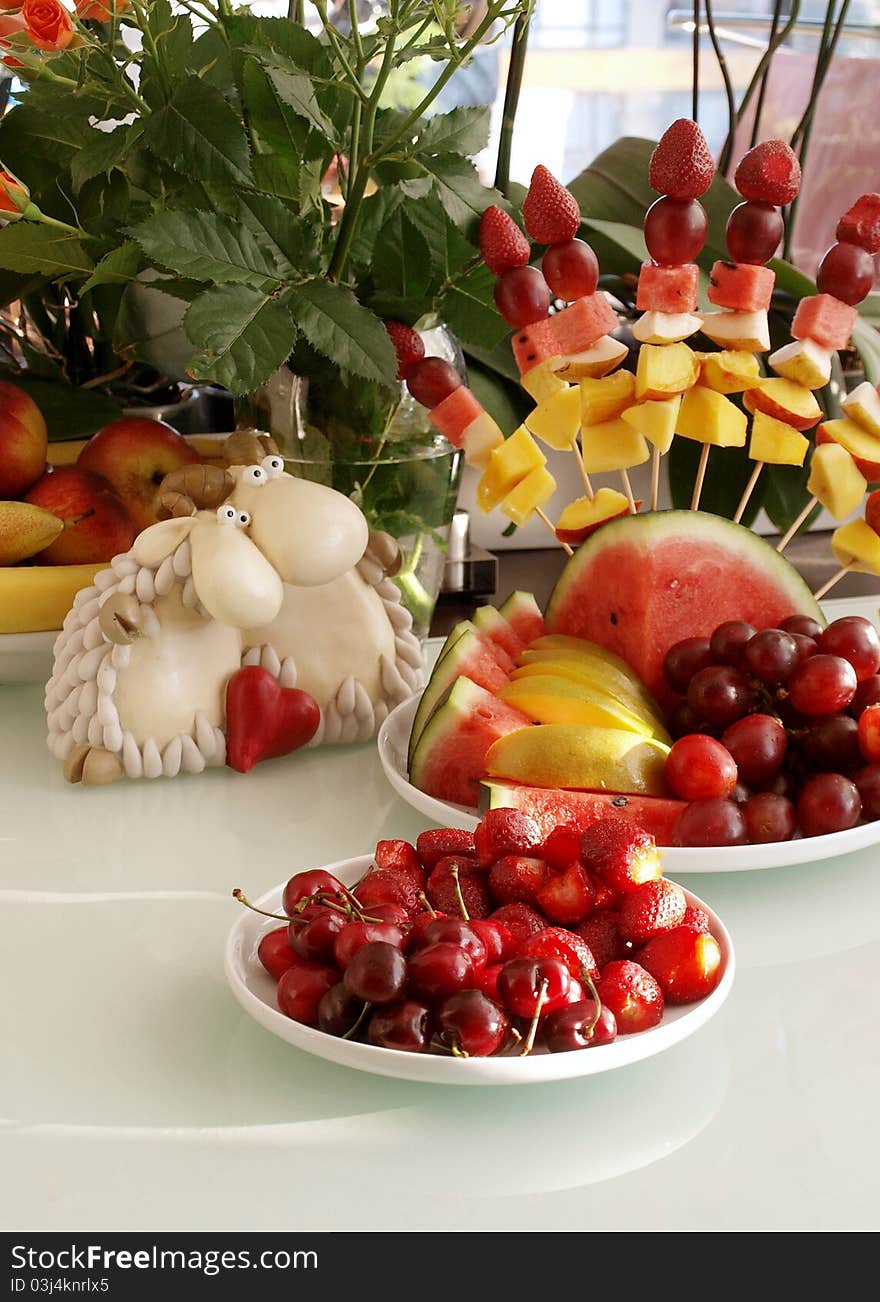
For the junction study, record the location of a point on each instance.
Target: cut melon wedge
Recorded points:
(581, 757)
(603, 676)
(473, 656)
(552, 807)
(549, 698)
(492, 623)
(524, 616)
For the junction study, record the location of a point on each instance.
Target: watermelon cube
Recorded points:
(668, 289)
(577, 327)
(825, 319)
(453, 415)
(741, 286)
(536, 343)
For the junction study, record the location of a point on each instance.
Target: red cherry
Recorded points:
(472, 1024)
(301, 989)
(274, 952)
(455, 931)
(355, 934)
(315, 941)
(303, 886)
(577, 1027)
(521, 981)
(404, 1026)
(440, 970)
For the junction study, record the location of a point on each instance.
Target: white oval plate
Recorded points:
(393, 742)
(255, 991)
(26, 657)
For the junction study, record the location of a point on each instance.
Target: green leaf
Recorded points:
(200, 135)
(505, 401)
(294, 88)
(103, 152)
(244, 336)
(337, 325)
(460, 189)
(468, 308)
(13, 285)
(785, 494)
(376, 211)
(118, 268)
(36, 249)
(274, 128)
(461, 131)
(867, 341)
(211, 247)
(401, 265)
(727, 474)
(292, 242)
(69, 412)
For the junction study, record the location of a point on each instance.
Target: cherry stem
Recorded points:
(238, 894)
(459, 1052)
(458, 894)
(361, 1015)
(536, 1016)
(591, 986)
(423, 899)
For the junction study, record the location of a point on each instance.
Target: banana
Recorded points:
(35, 598)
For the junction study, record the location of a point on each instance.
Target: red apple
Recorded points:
(97, 525)
(22, 441)
(134, 455)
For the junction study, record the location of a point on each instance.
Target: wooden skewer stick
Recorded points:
(749, 489)
(550, 525)
(655, 479)
(787, 537)
(835, 578)
(628, 489)
(579, 458)
(701, 475)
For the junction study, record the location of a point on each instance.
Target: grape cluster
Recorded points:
(778, 730)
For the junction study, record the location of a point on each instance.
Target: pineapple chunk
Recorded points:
(835, 480)
(803, 361)
(584, 515)
(603, 399)
(709, 417)
(480, 439)
(664, 371)
(857, 546)
(602, 357)
(508, 465)
(665, 327)
(747, 331)
(530, 493)
(541, 381)
(776, 442)
(655, 420)
(729, 371)
(863, 406)
(557, 420)
(612, 445)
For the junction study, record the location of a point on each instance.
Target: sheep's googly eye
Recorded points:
(243, 519)
(273, 466)
(227, 514)
(254, 475)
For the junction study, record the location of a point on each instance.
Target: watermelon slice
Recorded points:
(553, 808)
(504, 658)
(472, 656)
(495, 627)
(449, 760)
(668, 289)
(643, 582)
(823, 318)
(524, 616)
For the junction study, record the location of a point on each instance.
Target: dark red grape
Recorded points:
(675, 230)
(867, 693)
(806, 646)
(711, 822)
(856, 640)
(832, 743)
(699, 766)
(784, 784)
(571, 269)
(683, 722)
(431, 380)
(829, 802)
(758, 745)
(822, 685)
(522, 296)
(728, 642)
(847, 272)
(769, 818)
(771, 655)
(741, 793)
(720, 695)
(802, 624)
(867, 782)
(753, 232)
(684, 659)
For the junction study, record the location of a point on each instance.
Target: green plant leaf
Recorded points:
(292, 242)
(727, 474)
(401, 266)
(460, 190)
(36, 249)
(293, 87)
(468, 308)
(119, 267)
(103, 152)
(212, 247)
(785, 494)
(337, 325)
(70, 412)
(15, 285)
(200, 135)
(244, 336)
(461, 131)
(505, 401)
(867, 341)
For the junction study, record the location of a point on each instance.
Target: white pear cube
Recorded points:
(863, 406)
(666, 327)
(745, 331)
(602, 357)
(803, 361)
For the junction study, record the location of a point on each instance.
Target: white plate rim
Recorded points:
(677, 1025)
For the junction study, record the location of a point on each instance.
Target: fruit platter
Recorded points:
(492, 957)
(682, 675)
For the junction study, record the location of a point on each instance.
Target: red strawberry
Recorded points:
(632, 994)
(387, 887)
(442, 893)
(681, 165)
(769, 173)
(407, 344)
(570, 948)
(696, 920)
(516, 879)
(520, 920)
(621, 855)
(861, 225)
(550, 212)
(562, 846)
(602, 933)
(605, 896)
(505, 831)
(398, 856)
(686, 963)
(650, 908)
(566, 896)
(502, 243)
(436, 844)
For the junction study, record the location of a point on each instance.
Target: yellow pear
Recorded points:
(546, 698)
(25, 530)
(578, 756)
(603, 676)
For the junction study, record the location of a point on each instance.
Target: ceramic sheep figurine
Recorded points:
(251, 567)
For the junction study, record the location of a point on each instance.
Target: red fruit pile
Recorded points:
(778, 731)
(681, 169)
(493, 942)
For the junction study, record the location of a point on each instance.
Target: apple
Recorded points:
(134, 455)
(22, 441)
(861, 446)
(97, 525)
(665, 327)
(600, 358)
(863, 406)
(746, 330)
(784, 400)
(803, 361)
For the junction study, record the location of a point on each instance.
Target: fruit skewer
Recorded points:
(856, 545)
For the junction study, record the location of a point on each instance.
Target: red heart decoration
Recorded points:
(264, 719)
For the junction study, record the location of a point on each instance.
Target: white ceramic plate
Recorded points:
(26, 657)
(393, 741)
(255, 991)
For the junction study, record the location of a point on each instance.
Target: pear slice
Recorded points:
(548, 698)
(25, 530)
(666, 327)
(580, 757)
(602, 675)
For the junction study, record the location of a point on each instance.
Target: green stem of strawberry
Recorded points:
(458, 895)
(536, 1017)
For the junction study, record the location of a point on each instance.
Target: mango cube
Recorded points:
(863, 406)
(480, 439)
(508, 465)
(835, 480)
(784, 400)
(747, 331)
(557, 420)
(612, 445)
(857, 546)
(864, 448)
(656, 421)
(776, 442)
(729, 371)
(708, 417)
(584, 515)
(803, 361)
(542, 381)
(600, 358)
(664, 371)
(530, 493)
(603, 399)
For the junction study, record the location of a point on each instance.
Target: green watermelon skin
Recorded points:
(473, 656)
(450, 758)
(644, 582)
(552, 807)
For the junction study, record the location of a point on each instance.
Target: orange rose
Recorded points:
(100, 10)
(14, 196)
(9, 25)
(48, 24)
(11, 4)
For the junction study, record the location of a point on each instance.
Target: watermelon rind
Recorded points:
(552, 807)
(523, 614)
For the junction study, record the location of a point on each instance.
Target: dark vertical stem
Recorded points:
(296, 11)
(695, 88)
(511, 99)
(728, 89)
(766, 59)
(762, 89)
